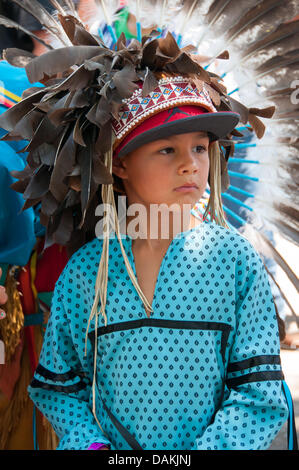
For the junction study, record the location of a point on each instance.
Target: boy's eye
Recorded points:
(199, 149)
(196, 149)
(167, 150)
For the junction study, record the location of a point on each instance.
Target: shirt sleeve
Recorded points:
(61, 386)
(253, 407)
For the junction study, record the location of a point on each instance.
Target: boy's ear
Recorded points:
(118, 168)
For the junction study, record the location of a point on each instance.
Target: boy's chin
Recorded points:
(180, 205)
(188, 198)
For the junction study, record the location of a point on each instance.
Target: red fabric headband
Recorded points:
(164, 117)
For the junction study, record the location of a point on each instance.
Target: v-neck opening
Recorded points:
(180, 235)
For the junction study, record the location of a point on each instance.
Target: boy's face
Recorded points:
(157, 172)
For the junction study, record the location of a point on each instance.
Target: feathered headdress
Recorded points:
(68, 122)
(86, 77)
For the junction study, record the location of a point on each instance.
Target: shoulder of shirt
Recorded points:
(233, 237)
(213, 228)
(89, 248)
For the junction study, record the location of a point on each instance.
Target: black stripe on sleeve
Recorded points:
(255, 377)
(253, 362)
(55, 377)
(58, 388)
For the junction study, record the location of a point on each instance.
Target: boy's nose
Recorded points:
(188, 162)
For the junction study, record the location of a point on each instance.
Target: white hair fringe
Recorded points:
(214, 206)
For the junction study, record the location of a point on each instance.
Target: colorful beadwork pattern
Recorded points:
(170, 92)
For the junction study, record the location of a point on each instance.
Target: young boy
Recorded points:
(202, 369)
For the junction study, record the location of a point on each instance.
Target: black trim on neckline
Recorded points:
(171, 324)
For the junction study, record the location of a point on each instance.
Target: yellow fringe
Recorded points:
(11, 416)
(11, 326)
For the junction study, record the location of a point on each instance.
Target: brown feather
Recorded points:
(59, 60)
(257, 125)
(265, 113)
(17, 57)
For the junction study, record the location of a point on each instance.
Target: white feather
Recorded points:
(103, 11)
(154, 13)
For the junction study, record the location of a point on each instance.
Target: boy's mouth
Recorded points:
(187, 187)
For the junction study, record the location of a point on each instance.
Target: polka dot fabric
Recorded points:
(202, 373)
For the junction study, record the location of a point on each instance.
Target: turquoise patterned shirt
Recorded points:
(203, 372)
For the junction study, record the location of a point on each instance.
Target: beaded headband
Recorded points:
(170, 92)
